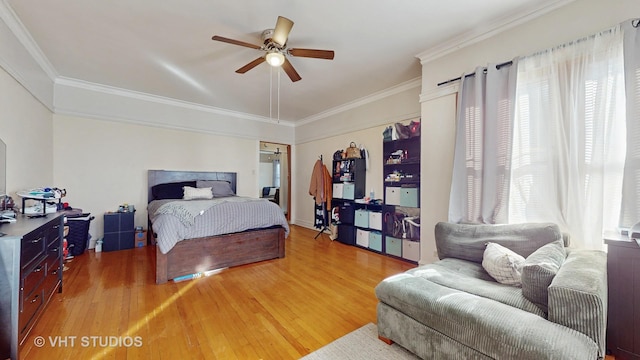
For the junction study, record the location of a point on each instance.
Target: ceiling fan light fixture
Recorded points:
(275, 58)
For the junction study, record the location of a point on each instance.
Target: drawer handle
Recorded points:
(35, 298)
(54, 272)
(35, 241)
(37, 269)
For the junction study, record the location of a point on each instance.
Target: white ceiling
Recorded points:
(164, 47)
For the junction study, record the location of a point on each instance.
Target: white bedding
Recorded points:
(175, 220)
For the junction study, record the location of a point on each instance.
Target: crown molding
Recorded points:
(413, 83)
(485, 32)
(136, 95)
(16, 26)
(439, 92)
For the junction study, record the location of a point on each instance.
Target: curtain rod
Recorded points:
(507, 63)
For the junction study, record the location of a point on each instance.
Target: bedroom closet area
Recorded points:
(274, 174)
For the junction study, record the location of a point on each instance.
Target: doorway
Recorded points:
(274, 175)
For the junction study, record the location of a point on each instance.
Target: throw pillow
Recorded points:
(170, 190)
(191, 193)
(219, 188)
(538, 272)
(502, 264)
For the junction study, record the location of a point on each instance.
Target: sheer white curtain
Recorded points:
(569, 138)
(480, 183)
(630, 213)
(555, 148)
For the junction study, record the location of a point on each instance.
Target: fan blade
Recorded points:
(312, 53)
(281, 32)
(251, 65)
(235, 42)
(288, 68)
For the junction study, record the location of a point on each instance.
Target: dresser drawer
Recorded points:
(54, 268)
(30, 307)
(32, 246)
(53, 235)
(53, 250)
(33, 278)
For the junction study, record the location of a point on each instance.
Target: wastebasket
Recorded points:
(78, 236)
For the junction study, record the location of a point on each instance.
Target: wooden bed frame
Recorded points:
(213, 252)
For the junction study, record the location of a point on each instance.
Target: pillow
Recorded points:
(538, 271)
(272, 191)
(219, 188)
(170, 190)
(502, 264)
(191, 193)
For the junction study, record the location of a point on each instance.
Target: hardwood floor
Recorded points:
(111, 307)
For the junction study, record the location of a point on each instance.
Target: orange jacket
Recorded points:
(321, 186)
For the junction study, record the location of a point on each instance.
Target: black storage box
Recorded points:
(346, 234)
(346, 213)
(78, 236)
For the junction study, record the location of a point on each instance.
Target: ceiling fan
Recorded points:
(275, 46)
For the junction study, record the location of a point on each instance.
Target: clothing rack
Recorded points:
(323, 209)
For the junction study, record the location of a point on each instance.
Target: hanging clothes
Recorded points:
(321, 186)
(320, 216)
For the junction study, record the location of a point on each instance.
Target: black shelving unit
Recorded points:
(348, 177)
(401, 210)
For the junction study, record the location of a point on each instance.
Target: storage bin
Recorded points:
(348, 191)
(362, 238)
(345, 234)
(392, 195)
(346, 213)
(375, 220)
(375, 240)
(393, 246)
(411, 250)
(409, 197)
(361, 218)
(78, 237)
(337, 190)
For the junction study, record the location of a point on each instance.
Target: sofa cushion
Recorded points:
(538, 271)
(493, 328)
(502, 264)
(470, 277)
(468, 242)
(578, 294)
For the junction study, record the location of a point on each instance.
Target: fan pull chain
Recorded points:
(270, 91)
(279, 95)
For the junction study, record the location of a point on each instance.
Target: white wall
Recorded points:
(578, 19)
(26, 128)
(103, 164)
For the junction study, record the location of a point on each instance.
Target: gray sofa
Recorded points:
(453, 309)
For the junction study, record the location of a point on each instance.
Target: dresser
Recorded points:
(623, 271)
(30, 274)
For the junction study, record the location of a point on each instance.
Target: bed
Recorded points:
(188, 234)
